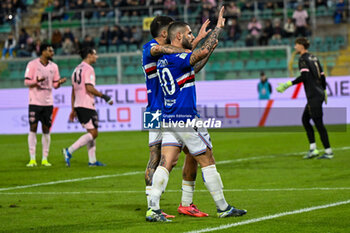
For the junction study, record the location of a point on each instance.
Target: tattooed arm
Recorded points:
(166, 49)
(209, 44)
(199, 65)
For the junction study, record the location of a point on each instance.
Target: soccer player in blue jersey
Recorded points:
(176, 73)
(151, 53)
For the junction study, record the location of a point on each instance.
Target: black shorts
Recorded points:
(314, 108)
(88, 118)
(40, 113)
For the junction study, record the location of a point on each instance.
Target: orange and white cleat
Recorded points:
(167, 215)
(191, 210)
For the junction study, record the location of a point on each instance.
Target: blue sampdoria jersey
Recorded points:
(149, 65)
(177, 81)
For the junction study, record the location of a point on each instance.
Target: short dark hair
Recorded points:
(174, 27)
(43, 47)
(85, 51)
(303, 41)
(159, 23)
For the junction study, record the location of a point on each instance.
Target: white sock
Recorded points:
(32, 144)
(212, 181)
(329, 151)
(148, 195)
(91, 147)
(82, 141)
(159, 183)
(313, 146)
(187, 192)
(45, 140)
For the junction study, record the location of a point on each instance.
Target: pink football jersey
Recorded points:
(82, 75)
(41, 95)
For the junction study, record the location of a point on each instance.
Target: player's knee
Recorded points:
(94, 133)
(33, 127)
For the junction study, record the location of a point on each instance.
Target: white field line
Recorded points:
(268, 217)
(176, 191)
(141, 172)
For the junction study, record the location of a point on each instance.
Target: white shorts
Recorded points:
(154, 137)
(196, 140)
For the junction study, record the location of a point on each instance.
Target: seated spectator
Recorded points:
(170, 8)
(254, 29)
(116, 35)
(232, 11)
(266, 34)
(270, 5)
(339, 14)
(126, 35)
(278, 32)
(136, 38)
(89, 6)
(68, 34)
(105, 36)
(58, 10)
(56, 39)
(300, 16)
(289, 28)
(248, 6)
(9, 46)
(22, 40)
(322, 3)
(36, 52)
(234, 30)
(27, 50)
(67, 47)
(88, 42)
(101, 9)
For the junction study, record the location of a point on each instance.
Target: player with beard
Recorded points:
(151, 53)
(41, 76)
(177, 74)
(314, 80)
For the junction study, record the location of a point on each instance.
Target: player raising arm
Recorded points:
(177, 80)
(151, 52)
(83, 106)
(41, 76)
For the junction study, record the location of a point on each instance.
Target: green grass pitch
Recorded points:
(262, 172)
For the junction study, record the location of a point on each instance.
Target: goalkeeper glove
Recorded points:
(283, 86)
(325, 97)
(107, 98)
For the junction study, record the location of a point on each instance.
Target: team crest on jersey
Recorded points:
(183, 55)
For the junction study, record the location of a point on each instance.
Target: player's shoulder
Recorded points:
(150, 44)
(34, 62)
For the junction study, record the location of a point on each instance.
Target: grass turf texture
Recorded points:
(115, 207)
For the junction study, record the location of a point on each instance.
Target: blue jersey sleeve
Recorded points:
(148, 50)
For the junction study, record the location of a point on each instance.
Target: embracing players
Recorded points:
(151, 53)
(177, 72)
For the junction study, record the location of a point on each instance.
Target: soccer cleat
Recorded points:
(231, 211)
(45, 163)
(32, 163)
(312, 154)
(97, 164)
(67, 156)
(155, 216)
(191, 210)
(326, 156)
(167, 215)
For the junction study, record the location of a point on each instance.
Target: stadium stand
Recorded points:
(238, 56)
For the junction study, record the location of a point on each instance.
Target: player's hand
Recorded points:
(108, 99)
(39, 79)
(62, 80)
(188, 51)
(325, 97)
(72, 116)
(203, 31)
(221, 19)
(283, 86)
